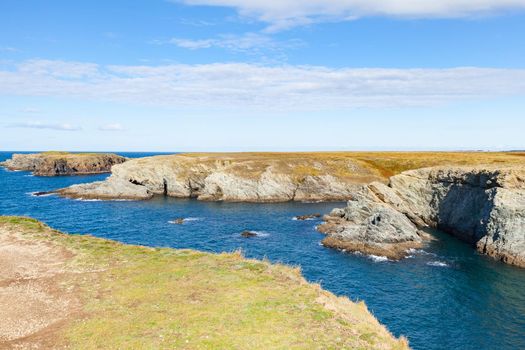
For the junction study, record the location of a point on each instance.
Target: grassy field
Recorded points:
(136, 297)
(385, 164)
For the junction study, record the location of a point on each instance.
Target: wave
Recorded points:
(102, 200)
(378, 258)
(437, 264)
(261, 233)
(413, 252)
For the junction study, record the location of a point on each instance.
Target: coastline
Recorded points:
(98, 290)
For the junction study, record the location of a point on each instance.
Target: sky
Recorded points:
(262, 75)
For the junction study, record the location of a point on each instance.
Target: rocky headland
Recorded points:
(232, 177)
(63, 163)
(482, 205)
(266, 177)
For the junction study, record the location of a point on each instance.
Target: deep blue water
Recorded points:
(445, 297)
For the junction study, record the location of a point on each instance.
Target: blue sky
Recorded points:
(213, 75)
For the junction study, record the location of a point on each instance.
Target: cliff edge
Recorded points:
(62, 291)
(232, 177)
(483, 205)
(267, 177)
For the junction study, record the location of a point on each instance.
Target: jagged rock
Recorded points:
(63, 163)
(240, 178)
(482, 205)
(109, 189)
(370, 226)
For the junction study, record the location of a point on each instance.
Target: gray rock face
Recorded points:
(207, 178)
(370, 225)
(63, 163)
(484, 206)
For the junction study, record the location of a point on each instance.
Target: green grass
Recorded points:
(158, 298)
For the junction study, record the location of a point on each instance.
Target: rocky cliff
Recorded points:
(62, 163)
(484, 206)
(232, 177)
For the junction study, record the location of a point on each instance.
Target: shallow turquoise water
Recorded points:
(443, 297)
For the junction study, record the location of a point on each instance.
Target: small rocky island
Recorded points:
(63, 163)
(484, 206)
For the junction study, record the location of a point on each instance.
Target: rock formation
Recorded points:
(371, 226)
(484, 206)
(307, 217)
(248, 234)
(233, 177)
(62, 163)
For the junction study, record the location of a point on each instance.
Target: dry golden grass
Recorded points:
(145, 298)
(69, 155)
(355, 164)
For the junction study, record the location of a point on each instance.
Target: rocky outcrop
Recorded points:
(484, 206)
(372, 226)
(62, 163)
(231, 177)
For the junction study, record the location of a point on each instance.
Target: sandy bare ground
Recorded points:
(35, 300)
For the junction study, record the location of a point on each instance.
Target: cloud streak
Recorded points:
(41, 125)
(241, 85)
(283, 14)
(111, 127)
(248, 43)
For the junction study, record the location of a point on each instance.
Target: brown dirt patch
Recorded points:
(35, 299)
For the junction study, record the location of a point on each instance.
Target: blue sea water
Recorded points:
(443, 297)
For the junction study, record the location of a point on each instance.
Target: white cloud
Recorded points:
(41, 125)
(283, 14)
(8, 49)
(60, 69)
(111, 127)
(241, 85)
(246, 43)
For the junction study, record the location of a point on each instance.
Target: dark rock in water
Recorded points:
(178, 221)
(38, 194)
(248, 234)
(308, 217)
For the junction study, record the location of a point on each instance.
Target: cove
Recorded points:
(443, 297)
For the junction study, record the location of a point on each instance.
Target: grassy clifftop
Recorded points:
(150, 298)
(384, 163)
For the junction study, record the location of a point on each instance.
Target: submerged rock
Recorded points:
(307, 217)
(248, 234)
(63, 163)
(484, 206)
